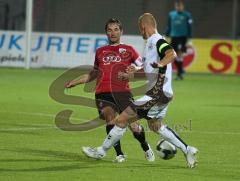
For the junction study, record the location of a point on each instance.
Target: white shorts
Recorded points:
(158, 112)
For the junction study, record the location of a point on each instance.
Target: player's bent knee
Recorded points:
(125, 117)
(109, 115)
(135, 127)
(121, 122)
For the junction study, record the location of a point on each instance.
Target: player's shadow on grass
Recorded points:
(74, 161)
(12, 160)
(53, 154)
(70, 161)
(47, 169)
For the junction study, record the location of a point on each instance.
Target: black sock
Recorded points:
(141, 138)
(179, 67)
(117, 145)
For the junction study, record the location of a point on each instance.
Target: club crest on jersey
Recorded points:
(122, 50)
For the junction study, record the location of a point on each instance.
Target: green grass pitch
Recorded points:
(32, 148)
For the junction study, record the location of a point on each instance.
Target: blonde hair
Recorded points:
(148, 19)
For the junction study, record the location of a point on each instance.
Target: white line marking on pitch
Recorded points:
(213, 132)
(41, 114)
(26, 129)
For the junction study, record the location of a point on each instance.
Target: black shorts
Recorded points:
(179, 43)
(119, 101)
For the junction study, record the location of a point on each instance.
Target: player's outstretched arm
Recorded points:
(83, 79)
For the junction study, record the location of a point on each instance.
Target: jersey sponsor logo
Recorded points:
(110, 57)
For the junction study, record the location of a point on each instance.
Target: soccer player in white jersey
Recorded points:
(158, 56)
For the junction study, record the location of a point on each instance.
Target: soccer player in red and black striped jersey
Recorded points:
(112, 92)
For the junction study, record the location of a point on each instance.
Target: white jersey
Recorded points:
(151, 54)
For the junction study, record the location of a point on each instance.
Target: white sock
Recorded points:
(170, 136)
(113, 136)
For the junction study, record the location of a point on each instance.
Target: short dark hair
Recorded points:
(179, 2)
(113, 20)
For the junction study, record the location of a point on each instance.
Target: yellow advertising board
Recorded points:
(213, 56)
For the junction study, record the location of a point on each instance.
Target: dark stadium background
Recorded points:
(212, 18)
